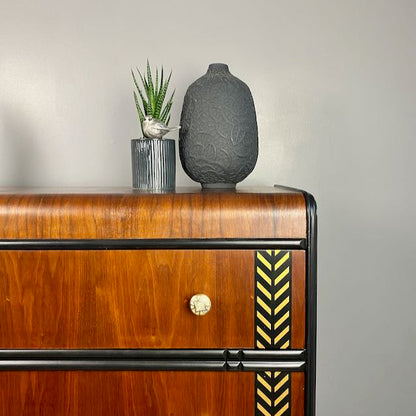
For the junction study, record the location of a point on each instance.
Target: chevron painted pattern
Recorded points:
(273, 327)
(273, 299)
(273, 394)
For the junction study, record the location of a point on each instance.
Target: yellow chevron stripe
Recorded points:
(261, 273)
(260, 345)
(281, 320)
(264, 320)
(281, 305)
(277, 374)
(269, 374)
(264, 335)
(284, 380)
(285, 345)
(281, 397)
(263, 410)
(264, 397)
(281, 291)
(263, 305)
(281, 276)
(282, 410)
(281, 261)
(264, 261)
(264, 291)
(273, 252)
(281, 335)
(265, 384)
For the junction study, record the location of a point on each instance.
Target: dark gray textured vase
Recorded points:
(153, 164)
(218, 141)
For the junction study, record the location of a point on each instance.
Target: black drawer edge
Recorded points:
(263, 355)
(115, 353)
(112, 365)
(146, 359)
(160, 244)
(149, 365)
(266, 366)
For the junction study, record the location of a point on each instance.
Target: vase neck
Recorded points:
(214, 69)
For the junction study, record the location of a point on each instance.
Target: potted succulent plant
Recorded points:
(153, 157)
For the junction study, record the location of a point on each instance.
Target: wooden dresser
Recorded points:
(95, 311)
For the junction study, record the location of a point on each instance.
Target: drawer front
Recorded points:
(146, 393)
(140, 299)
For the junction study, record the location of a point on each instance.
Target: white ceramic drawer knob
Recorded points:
(200, 304)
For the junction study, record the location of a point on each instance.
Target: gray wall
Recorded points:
(335, 90)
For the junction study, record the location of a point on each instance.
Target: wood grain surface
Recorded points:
(297, 399)
(126, 394)
(134, 299)
(125, 214)
(74, 393)
(298, 337)
(125, 299)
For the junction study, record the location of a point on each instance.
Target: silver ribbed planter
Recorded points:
(153, 164)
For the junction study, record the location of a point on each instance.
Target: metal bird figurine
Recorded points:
(156, 129)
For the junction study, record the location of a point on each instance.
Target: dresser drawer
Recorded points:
(138, 299)
(150, 393)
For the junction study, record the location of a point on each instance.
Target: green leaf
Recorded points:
(167, 108)
(139, 110)
(171, 97)
(165, 112)
(162, 96)
(135, 81)
(145, 85)
(149, 77)
(156, 83)
(144, 102)
(151, 94)
(161, 81)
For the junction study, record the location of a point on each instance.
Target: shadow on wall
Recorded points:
(19, 154)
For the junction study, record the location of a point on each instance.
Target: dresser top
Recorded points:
(120, 190)
(124, 213)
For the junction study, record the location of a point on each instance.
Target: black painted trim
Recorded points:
(149, 365)
(142, 360)
(311, 305)
(257, 366)
(141, 244)
(115, 354)
(103, 365)
(267, 355)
